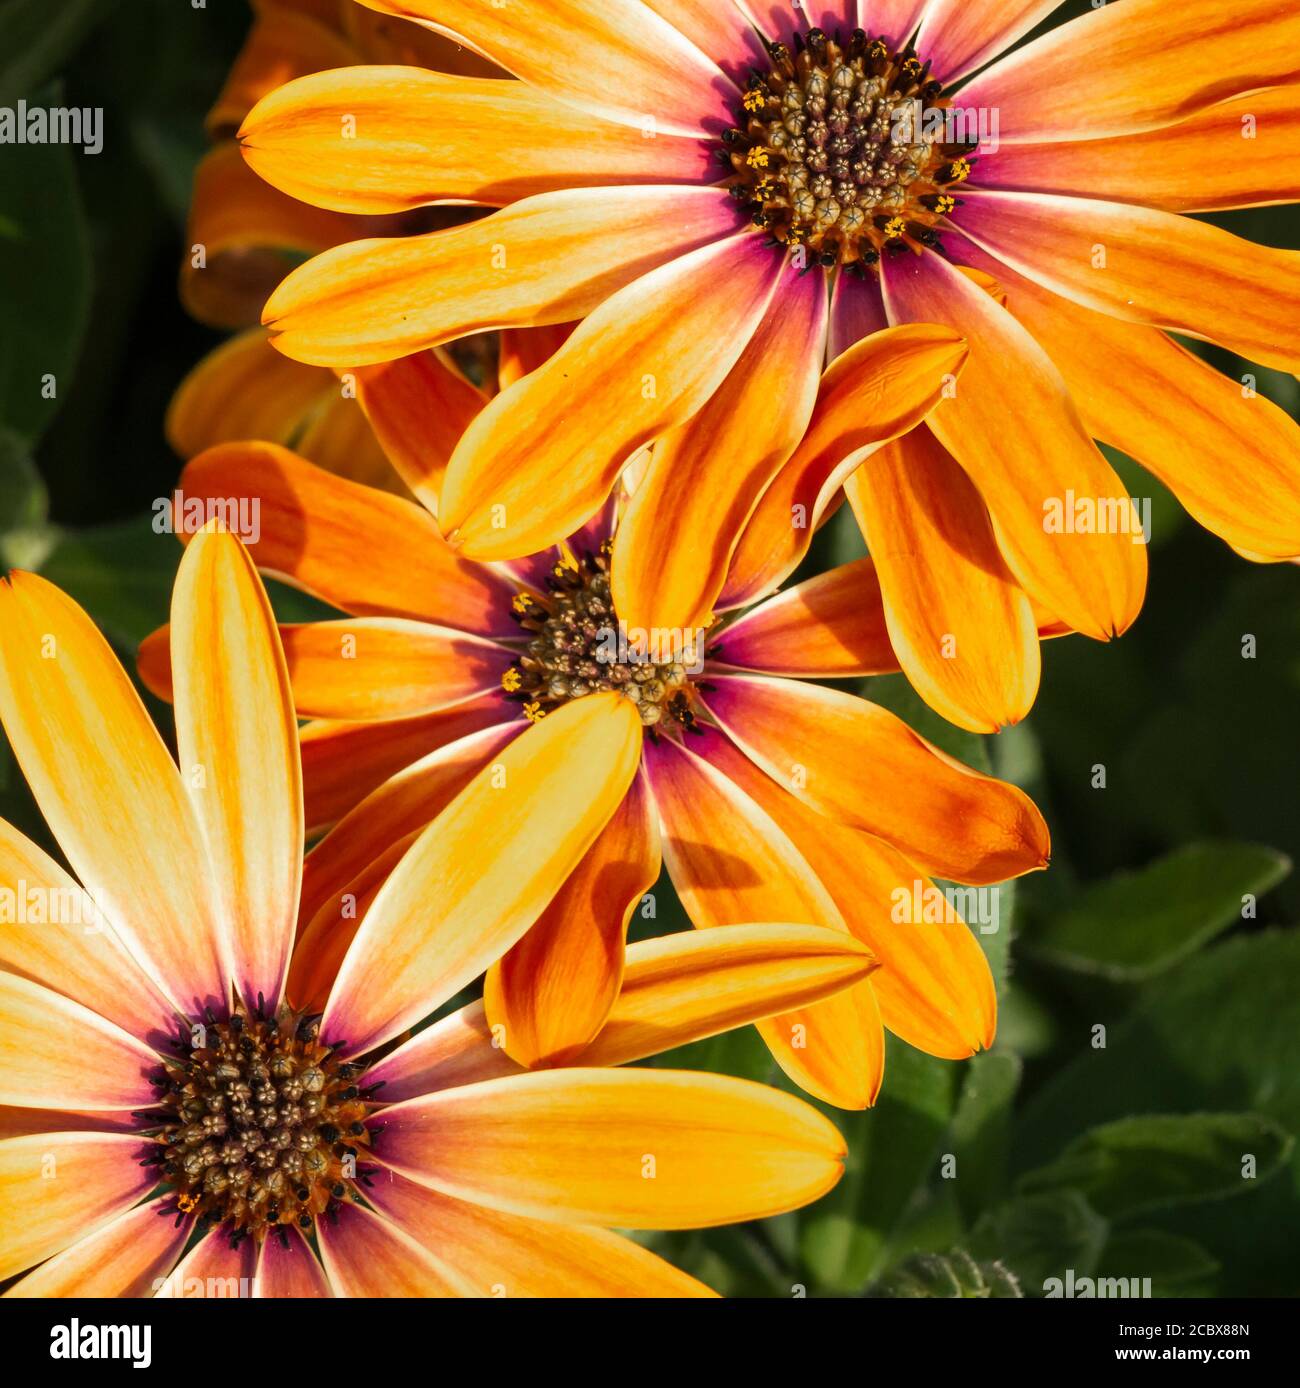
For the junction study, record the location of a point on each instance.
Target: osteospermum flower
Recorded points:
(171, 1117)
(667, 171)
(767, 797)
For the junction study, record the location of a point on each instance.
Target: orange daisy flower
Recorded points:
(668, 171)
(763, 794)
(153, 1064)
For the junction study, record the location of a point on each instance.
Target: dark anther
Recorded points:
(357, 1129)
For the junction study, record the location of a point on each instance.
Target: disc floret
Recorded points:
(832, 150)
(258, 1124)
(577, 647)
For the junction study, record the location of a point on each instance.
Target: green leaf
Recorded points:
(1219, 1032)
(980, 1137)
(1042, 1236)
(1176, 1266)
(36, 38)
(1138, 924)
(951, 1276)
(893, 1148)
(1145, 1163)
(44, 281)
(25, 533)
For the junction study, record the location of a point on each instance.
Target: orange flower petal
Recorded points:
(505, 1256)
(731, 864)
(485, 869)
(309, 521)
(963, 628)
(52, 935)
(1217, 446)
(402, 805)
(1125, 68)
(525, 349)
(880, 388)
(722, 32)
(212, 1268)
(418, 407)
(290, 1272)
(325, 939)
(1239, 153)
(109, 790)
(339, 439)
(532, 469)
(459, 1049)
(837, 753)
(933, 984)
(343, 762)
(1148, 267)
(707, 475)
(57, 1053)
(366, 1255)
(280, 46)
(632, 1149)
(1026, 460)
(243, 236)
(551, 993)
(829, 627)
(386, 139)
(237, 739)
(547, 259)
(368, 668)
(958, 36)
(613, 58)
(57, 1187)
(243, 389)
(129, 1257)
(387, 667)
(684, 987)
(676, 989)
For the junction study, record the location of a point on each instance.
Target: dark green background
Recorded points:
(1122, 1161)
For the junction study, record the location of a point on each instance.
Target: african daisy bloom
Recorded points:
(156, 1061)
(767, 797)
(664, 168)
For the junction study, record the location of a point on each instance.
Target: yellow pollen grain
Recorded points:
(757, 159)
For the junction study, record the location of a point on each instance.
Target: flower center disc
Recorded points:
(578, 648)
(841, 148)
(259, 1122)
